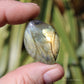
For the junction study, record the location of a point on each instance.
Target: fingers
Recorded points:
(35, 73)
(15, 12)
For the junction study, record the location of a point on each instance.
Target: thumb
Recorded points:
(35, 73)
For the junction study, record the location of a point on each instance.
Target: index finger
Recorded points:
(15, 12)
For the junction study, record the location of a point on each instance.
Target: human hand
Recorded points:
(14, 12)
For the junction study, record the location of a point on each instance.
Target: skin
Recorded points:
(14, 12)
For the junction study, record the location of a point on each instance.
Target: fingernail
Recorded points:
(52, 75)
(33, 4)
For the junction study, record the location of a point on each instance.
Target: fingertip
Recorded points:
(36, 6)
(54, 74)
(61, 69)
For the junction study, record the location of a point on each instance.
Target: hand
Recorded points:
(14, 12)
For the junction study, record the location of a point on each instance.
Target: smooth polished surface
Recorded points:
(41, 41)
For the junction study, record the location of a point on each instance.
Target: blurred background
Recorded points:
(67, 17)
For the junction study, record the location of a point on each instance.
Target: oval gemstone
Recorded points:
(41, 41)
